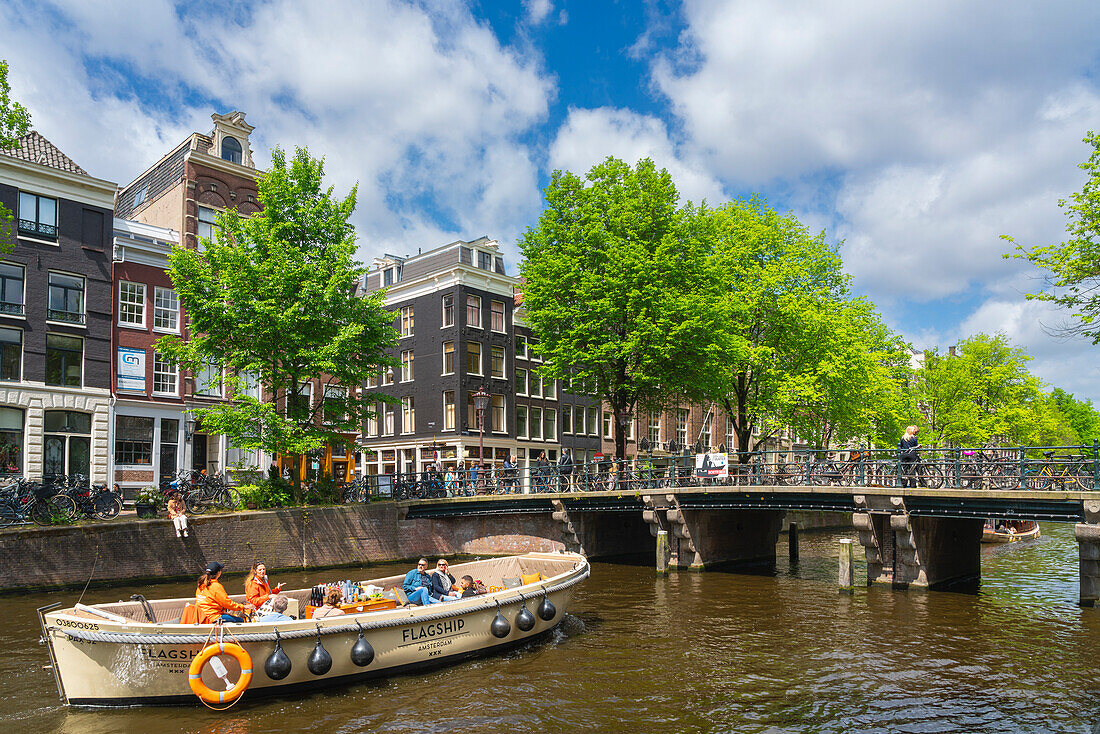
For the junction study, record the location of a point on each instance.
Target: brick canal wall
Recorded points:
(133, 550)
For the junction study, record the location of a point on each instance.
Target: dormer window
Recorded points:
(484, 260)
(231, 149)
(387, 277)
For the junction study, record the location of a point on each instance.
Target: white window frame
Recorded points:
(443, 310)
(448, 410)
(503, 361)
(200, 389)
(452, 353)
(407, 320)
(408, 415)
(479, 324)
(498, 408)
(566, 422)
(338, 392)
(480, 359)
(158, 371)
(531, 422)
(521, 385)
(526, 421)
(593, 421)
(158, 310)
(407, 365)
(388, 415)
(550, 421)
(521, 339)
(503, 318)
(123, 286)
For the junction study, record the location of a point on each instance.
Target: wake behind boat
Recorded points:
(114, 655)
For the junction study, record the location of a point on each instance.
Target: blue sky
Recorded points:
(913, 134)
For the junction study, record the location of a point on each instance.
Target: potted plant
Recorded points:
(147, 502)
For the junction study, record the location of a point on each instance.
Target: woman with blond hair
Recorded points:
(907, 448)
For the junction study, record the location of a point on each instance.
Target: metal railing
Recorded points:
(1070, 468)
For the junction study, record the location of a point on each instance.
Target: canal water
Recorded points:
(779, 650)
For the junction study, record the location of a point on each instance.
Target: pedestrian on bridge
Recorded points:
(907, 448)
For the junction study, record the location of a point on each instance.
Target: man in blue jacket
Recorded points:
(418, 583)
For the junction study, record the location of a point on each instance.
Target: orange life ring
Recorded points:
(205, 692)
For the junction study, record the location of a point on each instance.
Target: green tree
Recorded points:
(272, 297)
(15, 122)
(1081, 417)
(1073, 267)
(614, 281)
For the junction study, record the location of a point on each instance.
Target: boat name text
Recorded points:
(432, 630)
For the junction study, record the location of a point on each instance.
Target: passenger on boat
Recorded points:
(212, 601)
(256, 587)
(279, 604)
(467, 587)
(331, 607)
(443, 583)
(418, 584)
(177, 514)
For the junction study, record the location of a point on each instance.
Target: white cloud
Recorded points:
(589, 136)
(420, 105)
(538, 10)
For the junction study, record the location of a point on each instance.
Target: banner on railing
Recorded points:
(712, 466)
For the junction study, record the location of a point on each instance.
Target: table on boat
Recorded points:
(373, 605)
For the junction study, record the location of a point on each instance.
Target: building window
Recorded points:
(406, 365)
(566, 419)
(532, 349)
(607, 425)
(448, 310)
(730, 441)
(521, 421)
(521, 346)
(406, 321)
(372, 381)
(681, 426)
(484, 260)
(166, 310)
(299, 404)
(497, 407)
(449, 410)
(521, 382)
(654, 427)
(334, 409)
(448, 358)
(164, 375)
(133, 440)
(549, 424)
(387, 277)
(534, 386)
(208, 381)
(38, 215)
(206, 224)
(372, 424)
(249, 385)
(593, 421)
(131, 304)
(169, 446)
(387, 423)
(497, 316)
(578, 420)
(231, 149)
(473, 358)
(705, 433)
(473, 311)
(408, 415)
(11, 354)
(550, 389)
(11, 289)
(63, 360)
(497, 362)
(536, 422)
(66, 300)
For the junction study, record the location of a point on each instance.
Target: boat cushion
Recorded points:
(190, 615)
(511, 582)
(531, 578)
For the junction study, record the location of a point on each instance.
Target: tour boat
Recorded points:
(115, 655)
(1009, 531)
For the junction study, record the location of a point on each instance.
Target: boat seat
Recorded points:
(190, 615)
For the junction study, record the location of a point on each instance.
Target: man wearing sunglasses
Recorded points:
(418, 583)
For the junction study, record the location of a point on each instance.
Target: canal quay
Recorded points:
(774, 648)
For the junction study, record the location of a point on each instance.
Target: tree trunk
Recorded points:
(742, 428)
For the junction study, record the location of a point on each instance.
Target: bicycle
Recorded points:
(1067, 472)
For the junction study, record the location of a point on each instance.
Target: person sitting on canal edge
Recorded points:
(443, 583)
(212, 601)
(178, 515)
(256, 587)
(331, 607)
(279, 604)
(418, 584)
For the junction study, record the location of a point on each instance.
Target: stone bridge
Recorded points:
(911, 537)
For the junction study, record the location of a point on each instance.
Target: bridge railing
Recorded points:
(985, 468)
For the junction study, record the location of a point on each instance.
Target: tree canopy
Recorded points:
(1072, 267)
(15, 122)
(271, 298)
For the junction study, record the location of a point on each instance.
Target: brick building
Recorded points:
(55, 315)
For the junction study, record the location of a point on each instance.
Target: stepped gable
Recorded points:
(36, 149)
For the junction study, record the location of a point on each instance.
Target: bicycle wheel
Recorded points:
(930, 476)
(107, 506)
(9, 515)
(230, 498)
(1003, 476)
(196, 503)
(58, 508)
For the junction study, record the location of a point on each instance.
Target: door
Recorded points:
(198, 447)
(80, 454)
(53, 458)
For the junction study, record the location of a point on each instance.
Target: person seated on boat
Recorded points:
(443, 583)
(256, 587)
(212, 601)
(467, 587)
(279, 604)
(331, 607)
(418, 585)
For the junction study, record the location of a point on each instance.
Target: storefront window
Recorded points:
(11, 441)
(133, 440)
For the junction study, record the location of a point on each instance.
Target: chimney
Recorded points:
(951, 350)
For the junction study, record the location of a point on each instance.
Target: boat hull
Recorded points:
(989, 535)
(104, 663)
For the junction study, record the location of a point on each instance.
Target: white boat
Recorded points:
(1009, 531)
(113, 655)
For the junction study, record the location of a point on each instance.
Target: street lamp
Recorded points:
(481, 402)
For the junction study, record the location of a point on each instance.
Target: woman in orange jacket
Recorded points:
(212, 601)
(256, 587)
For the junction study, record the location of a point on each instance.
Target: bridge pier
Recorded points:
(701, 538)
(601, 534)
(915, 551)
(1088, 545)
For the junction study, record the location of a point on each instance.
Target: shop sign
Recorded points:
(131, 369)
